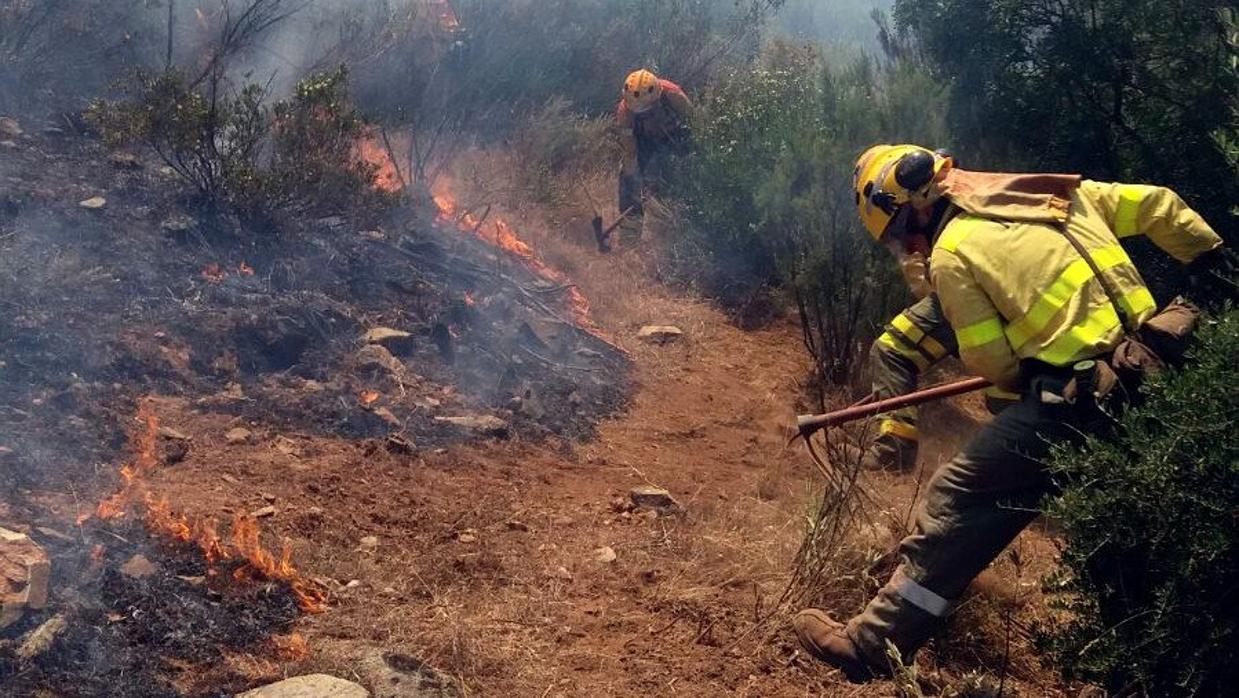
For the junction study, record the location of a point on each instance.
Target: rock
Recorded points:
(263, 512)
(376, 358)
(660, 334)
(125, 161)
(9, 127)
(395, 675)
(287, 446)
(605, 554)
(41, 638)
(368, 543)
(229, 479)
(138, 567)
(94, 203)
(8, 145)
(518, 526)
(654, 499)
(389, 417)
(562, 572)
(485, 425)
(467, 536)
(177, 223)
(268, 498)
(309, 686)
(400, 445)
(238, 435)
(25, 573)
(174, 435)
(398, 342)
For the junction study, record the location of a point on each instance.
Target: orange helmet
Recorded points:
(888, 176)
(642, 90)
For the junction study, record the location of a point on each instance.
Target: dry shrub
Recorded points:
(553, 147)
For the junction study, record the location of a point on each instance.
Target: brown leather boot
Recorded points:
(825, 639)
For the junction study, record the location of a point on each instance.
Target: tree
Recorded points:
(1116, 89)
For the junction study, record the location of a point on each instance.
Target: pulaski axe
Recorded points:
(808, 424)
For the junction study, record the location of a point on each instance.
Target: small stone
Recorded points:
(388, 591)
(177, 223)
(660, 334)
(174, 435)
(389, 417)
(8, 145)
(398, 342)
(485, 425)
(125, 161)
(467, 536)
(138, 567)
(399, 445)
(605, 554)
(368, 543)
(654, 499)
(42, 638)
(309, 686)
(562, 572)
(238, 435)
(562, 521)
(621, 505)
(268, 497)
(353, 584)
(287, 446)
(94, 203)
(192, 580)
(263, 512)
(517, 526)
(9, 127)
(230, 479)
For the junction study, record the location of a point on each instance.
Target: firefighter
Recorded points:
(916, 339)
(1031, 274)
(652, 121)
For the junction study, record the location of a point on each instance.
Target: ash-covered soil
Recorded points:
(145, 294)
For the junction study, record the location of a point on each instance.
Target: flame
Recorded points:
(292, 648)
(245, 546)
(368, 397)
(213, 274)
(244, 269)
(494, 231)
(386, 177)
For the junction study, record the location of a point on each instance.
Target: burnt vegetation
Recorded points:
(295, 214)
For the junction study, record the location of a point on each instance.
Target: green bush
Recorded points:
(766, 201)
(242, 155)
(1152, 535)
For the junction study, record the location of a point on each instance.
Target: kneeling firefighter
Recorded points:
(1044, 302)
(652, 122)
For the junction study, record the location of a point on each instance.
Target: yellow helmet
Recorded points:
(888, 176)
(642, 90)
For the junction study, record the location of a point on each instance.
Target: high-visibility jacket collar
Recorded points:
(1040, 198)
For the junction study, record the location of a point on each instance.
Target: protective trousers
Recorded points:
(916, 339)
(974, 506)
(652, 165)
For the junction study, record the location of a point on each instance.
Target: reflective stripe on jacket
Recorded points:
(1017, 289)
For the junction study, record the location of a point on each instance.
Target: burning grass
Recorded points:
(240, 558)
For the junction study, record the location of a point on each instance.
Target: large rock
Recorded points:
(395, 675)
(309, 686)
(25, 573)
(398, 342)
(660, 334)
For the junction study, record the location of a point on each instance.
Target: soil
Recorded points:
(488, 559)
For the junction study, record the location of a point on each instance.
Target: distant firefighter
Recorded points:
(652, 121)
(1031, 274)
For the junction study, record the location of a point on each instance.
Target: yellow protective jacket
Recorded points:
(1014, 287)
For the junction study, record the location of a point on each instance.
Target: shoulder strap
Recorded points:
(1111, 293)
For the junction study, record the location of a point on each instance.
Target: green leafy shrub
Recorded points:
(765, 197)
(1152, 554)
(241, 154)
